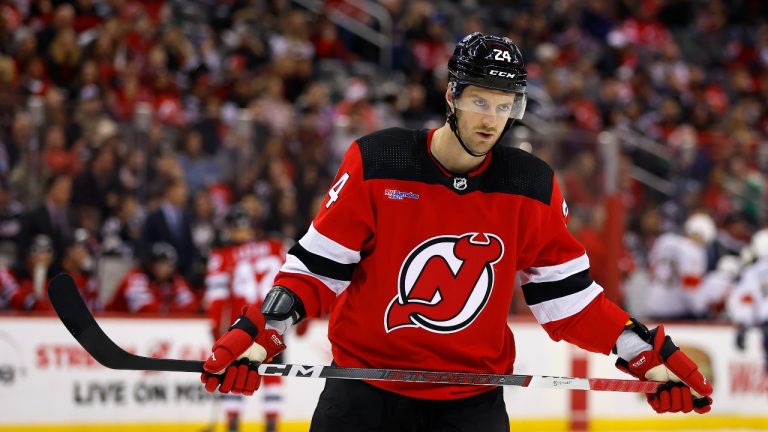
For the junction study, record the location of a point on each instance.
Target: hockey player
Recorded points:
(18, 288)
(708, 301)
(156, 286)
(78, 263)
(25, 290)
(240, 273)
(678, 264)
(748, 303)
(416, 248)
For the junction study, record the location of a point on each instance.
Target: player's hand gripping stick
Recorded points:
(232, 366)
(686, 389)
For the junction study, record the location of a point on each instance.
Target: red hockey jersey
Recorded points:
(238, 275)
(19, 294)
(138, 293)
(419, 264)
(15, 295)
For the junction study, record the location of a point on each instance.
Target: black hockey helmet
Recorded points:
(490, 62)
(238, 217)
(41, 244)
(162, 251)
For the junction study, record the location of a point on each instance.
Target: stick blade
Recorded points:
(69, 305)
(71, 309)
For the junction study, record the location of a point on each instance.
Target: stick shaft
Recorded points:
(73, 312)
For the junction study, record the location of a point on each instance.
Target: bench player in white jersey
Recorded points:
(748, 303)
(240, 273)
(678, 264)
(710, 299)
(415, 251)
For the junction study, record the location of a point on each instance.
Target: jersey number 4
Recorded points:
(336, 189)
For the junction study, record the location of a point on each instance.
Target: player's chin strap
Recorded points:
(454, 123)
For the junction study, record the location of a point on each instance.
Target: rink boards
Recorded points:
(48, 383)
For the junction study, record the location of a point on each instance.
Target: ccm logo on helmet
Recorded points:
(502, 74)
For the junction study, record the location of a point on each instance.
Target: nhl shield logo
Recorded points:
(459, 183)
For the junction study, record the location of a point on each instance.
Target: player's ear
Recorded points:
(449, 97)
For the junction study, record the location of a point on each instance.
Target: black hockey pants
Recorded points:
(354, 406)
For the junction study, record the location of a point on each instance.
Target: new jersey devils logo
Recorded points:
(444, 283)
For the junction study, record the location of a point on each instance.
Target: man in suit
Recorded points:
(170, 223)
(53, 218)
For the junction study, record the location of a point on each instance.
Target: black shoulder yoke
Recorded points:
(401, 154)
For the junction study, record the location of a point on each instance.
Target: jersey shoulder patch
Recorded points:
(392, 153)
(518, 172)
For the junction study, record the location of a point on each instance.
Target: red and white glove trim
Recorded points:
(232, 366)
(686, 389)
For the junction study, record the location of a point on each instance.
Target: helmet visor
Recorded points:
(500, 105)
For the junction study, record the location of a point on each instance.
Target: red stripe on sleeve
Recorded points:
(594, 329)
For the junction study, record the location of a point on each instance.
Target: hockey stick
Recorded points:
(73, 312)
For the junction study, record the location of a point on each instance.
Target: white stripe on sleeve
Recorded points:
(294, 265)
(555, 272)
(563, 307)
(319, 244)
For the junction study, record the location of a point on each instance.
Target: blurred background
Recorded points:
(131, 129)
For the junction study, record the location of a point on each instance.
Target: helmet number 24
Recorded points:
(502, 55)
(336, 189)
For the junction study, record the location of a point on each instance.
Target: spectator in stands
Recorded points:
(99, 185)
(203, 221)
(200, 170)
(155, 287)
(353, 117)
(11, 221)
(53, 219)
(580, 179)
(121, 233)
(132, 170)
(316, 112)
(292, 51)
(63, 57)
(272, 108)
(57, 158)
(60, 19)
(15, 143)
(171, 224)
(327, 43)
(286, 218)
(210, 125)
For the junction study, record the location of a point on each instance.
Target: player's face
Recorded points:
(482, 114)
(163, 270)
(240, 235)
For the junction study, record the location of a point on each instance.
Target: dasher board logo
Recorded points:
(444, 283)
